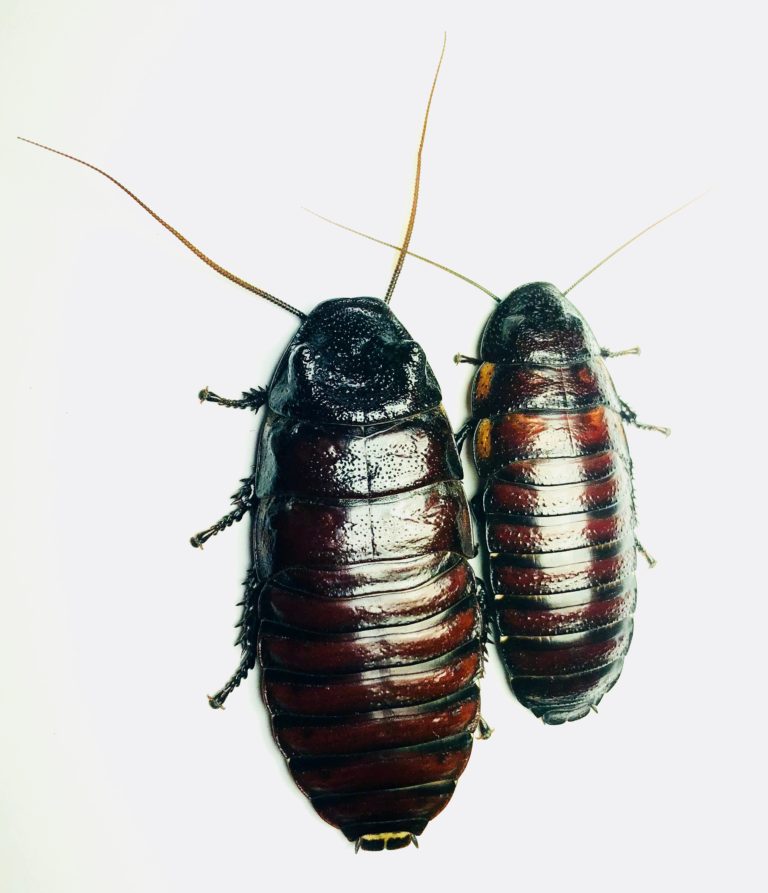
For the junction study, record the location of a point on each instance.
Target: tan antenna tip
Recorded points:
(417, 180)
(634, 239)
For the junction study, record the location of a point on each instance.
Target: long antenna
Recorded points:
(414, 203)
(434, 263)
(630, 241)
(174, 232)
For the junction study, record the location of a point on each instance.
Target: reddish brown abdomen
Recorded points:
(559, 520)
(370, 628)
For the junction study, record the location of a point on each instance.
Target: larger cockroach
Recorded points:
(361, 607)
(556, 501)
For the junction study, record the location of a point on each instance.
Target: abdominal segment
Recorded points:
(558, 517)
(370, 628)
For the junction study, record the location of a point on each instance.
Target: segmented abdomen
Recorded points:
(369, 624)
(559, 527)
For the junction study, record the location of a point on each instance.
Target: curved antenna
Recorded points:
(426, 260)
(196, 251)
(630, 241)
(414, 203)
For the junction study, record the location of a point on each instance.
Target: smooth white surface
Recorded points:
(558, 131)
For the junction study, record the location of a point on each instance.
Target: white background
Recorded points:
(558, 131)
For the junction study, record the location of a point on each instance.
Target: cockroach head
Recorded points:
(352, 362)
(536, 323)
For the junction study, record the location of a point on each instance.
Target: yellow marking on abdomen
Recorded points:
(483, 440)
(483, 379)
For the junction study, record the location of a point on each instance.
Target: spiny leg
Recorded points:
(247, 663)
(486, 615)
(645, 553)
(482, 730)
(243, 500)
(630, 416)
(254, 399)
(247, 641)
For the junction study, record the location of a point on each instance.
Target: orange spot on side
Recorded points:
(483, 379)
(483, 440)
(595, 416)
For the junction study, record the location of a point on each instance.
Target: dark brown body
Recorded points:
(363, 605)
(556, 504)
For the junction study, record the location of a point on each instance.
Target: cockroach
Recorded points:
(556, 502)
(360, 607)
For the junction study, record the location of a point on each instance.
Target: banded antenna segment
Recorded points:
(174, 232)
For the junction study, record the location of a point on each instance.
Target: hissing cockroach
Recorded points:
(556, 499)
(360, 607)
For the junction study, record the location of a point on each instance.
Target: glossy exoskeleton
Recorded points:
(360, 607)
(556, 500)
(556, 503)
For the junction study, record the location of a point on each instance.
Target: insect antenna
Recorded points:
(174, 232)
(414, 203)
(426, 260)
(630, 241)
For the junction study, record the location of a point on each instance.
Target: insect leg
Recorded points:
(463, 358)
(253, 399)
(244, 500)
(630, 416)
(482, 729)
(489, 627)
(645, 553)
(633, 351)
(466, 429)
(246, 639)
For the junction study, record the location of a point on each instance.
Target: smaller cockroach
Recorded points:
(556, 501)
